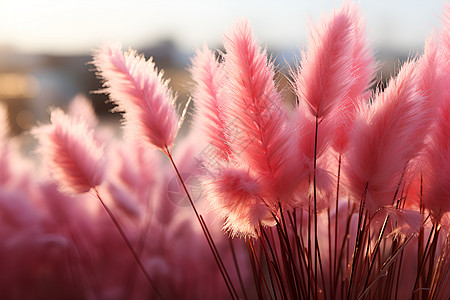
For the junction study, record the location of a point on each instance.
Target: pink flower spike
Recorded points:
(72, 155)
(135, 85)
(324, 78)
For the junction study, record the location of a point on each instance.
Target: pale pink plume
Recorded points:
(325, 76)
(387, 134)
(135, 85)
(234, 195)
(72, 155)
(81, 107)
(209, 77)
(258, 130)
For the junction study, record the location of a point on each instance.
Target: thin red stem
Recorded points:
(316, 242)
(206, 232)
(128, 243)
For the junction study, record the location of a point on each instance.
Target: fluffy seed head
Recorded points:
(386, 136)
(325, 73)
(234, 195)
(259, 133)
(71, 153)
(209, 77)
(135, 85)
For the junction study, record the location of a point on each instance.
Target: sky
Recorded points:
(70, 27)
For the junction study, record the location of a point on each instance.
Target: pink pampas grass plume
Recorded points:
(432, 82)
(364, 67)
(363, 70)
(386, 136)
(135, 85)
(436, 174)
(234, 195)
(445, 33)
(324, 78)
(209, 77)
(73, 157)
(258, 130)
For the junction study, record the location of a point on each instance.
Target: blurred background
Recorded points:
(46, 46)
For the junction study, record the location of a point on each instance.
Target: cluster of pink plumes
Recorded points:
(344, 195)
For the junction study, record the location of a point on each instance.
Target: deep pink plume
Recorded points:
(387, 134)
(325, 76)
(71, 153)
(209, 77)
(258, 130)
(135, 85)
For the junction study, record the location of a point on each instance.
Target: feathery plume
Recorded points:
(431, 81)
(258, 131)
(209, 77)
(234, 195)
(436, 175)
(135, 85)
(364, 67)
(386, 136)
(445, 33)
(71, 153)
(362, 71)
(324, 78)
